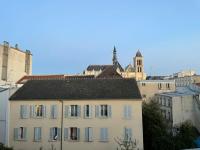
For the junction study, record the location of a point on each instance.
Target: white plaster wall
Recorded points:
(115, 125)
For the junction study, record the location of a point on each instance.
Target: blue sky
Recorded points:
(65, 36)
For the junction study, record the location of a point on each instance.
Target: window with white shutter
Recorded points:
(38, 111)
(73, 111)
(103, 111)
(55, 134)
(24, 112)
(54, 111)
(127, 111)
(88, 134)
(88, 111)
(104, 134)
(73, 133)
(37, 134)
(127, 133)
(20, 133)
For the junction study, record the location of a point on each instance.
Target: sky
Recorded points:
(65, 36)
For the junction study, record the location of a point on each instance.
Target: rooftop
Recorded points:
(77, 89)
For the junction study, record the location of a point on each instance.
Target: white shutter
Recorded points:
(129, 111)
(43, 111)
(109, 111)
(59, 133)
(66, 134)
(37, 133)
(78, 133)
(67, 114)
(125, 111)
(130, 133)
(97, 112)
(25, 134)
(32, 111)
(85, 111)
(90, 111)
(90, 134)
(87, 134)
(79, 110)
(16, 131)
(54, 111)
(102, 134)
(106, 134)
(51, 133)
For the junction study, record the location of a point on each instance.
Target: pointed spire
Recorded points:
(138, 54)
(114, 56)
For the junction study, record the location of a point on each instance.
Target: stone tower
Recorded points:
(139, 66)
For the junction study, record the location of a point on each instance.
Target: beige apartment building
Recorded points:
(135, 70)
(148, 88)
(75, 114)
(14, 63)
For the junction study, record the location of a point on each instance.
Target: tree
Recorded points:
(2, 147)
(158, 134)
(185, 136)
(155, 128)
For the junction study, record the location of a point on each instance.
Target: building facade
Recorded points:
(14, 63)
(79, 114)
(5, 93)
(148, 88)
(180, 106)
(187, 80)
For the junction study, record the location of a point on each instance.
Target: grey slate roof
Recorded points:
(97, 67)
(77, 89)
(109, 72)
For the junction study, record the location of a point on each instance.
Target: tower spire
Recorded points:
(114, 56)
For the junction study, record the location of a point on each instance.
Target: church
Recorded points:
(135, 70)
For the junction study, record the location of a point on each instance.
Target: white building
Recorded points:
(180, 106)
(5, 93)
(75, 114)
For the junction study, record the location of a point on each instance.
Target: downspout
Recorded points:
(61, 142)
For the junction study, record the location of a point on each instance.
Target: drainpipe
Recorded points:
(61, 142)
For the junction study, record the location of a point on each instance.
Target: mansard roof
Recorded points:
(78, 89)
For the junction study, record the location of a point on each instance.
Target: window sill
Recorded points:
(37, 141)
(104, 141)
(54, 140)
(21, 140)
(72, 140)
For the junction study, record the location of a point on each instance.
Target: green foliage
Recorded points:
(2, 147)
(158, 133)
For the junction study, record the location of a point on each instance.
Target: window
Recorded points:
(127, 133)
(38, 111)
(127, 111)
(88, 134)
(74, 133)
(159, 86)
(20, 133)
(143, 84)
(54, 111)
(54, 134)
(88, 111)
(24, 112)
(37, 134)
(104, 134)
(73, 111)
(103, 111)
(168, 86)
